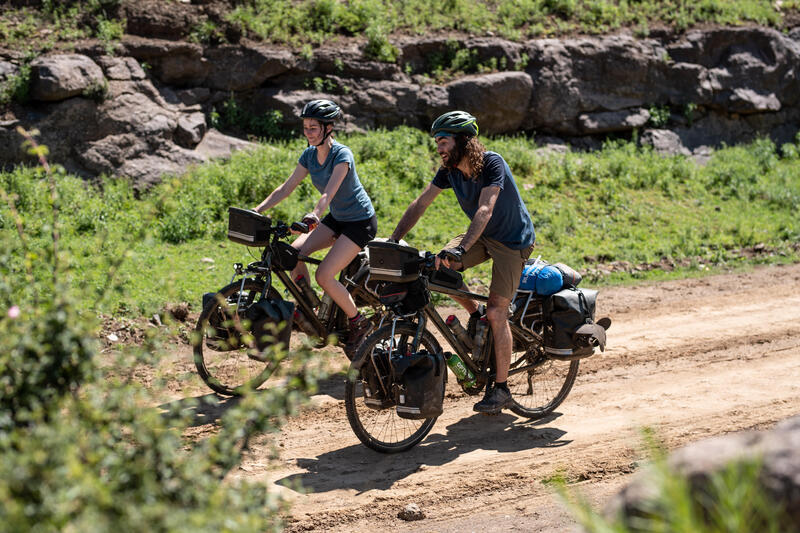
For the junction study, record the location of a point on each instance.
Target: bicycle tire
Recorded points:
(539, 384)
(230, 372)
(383, 430)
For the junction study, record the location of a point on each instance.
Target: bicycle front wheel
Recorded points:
(537, 383)
(373, 416)
(223, 356)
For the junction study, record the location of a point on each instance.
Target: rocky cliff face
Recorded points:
(145, 111)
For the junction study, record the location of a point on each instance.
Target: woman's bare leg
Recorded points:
(343, 251)
(322, 237)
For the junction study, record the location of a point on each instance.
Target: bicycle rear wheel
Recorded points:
(377, 425)
(537, 383)
(225, 366)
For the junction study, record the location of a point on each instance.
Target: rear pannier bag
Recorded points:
(248, 227)
(390, 261)
(419, 384)
(569, 328)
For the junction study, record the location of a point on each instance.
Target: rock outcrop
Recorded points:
(777, 451)
(148, 107)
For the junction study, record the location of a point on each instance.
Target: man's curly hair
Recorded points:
(473, 150)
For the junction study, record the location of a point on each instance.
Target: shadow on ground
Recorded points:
(360, 468)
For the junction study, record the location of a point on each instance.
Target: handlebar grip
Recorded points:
(449, 256)
(302, 227)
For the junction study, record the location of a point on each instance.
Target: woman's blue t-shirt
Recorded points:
(510, 223)
(351, 202)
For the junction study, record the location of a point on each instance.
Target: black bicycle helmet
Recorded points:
(322, 110)
(455, 122)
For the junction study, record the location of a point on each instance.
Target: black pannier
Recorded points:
(419, 384)
(248, 227)
(222, 333)
(270, 324)
(390, 261)
(569, 328)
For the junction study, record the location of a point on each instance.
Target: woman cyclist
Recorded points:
(349, 225)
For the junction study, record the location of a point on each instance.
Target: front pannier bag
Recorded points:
(419, 384)
(570, 331)
(270, 323)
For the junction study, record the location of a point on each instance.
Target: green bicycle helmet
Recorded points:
(454, 123)
(322, 110)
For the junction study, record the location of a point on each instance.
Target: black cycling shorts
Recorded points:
(358, 231)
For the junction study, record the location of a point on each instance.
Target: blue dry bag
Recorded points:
(541, 278)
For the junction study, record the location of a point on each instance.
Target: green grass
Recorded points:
(622, 203)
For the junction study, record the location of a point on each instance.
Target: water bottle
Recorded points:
(459, 331)
(309, 293)
(463, 374)
(481, 330)
(324, 308)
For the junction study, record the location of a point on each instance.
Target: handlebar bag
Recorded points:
(248, 227)
(270, 324)
(390, 261)
(420, 380)
(565, 313)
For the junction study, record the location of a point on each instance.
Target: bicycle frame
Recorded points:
(323, 326)
(481, 364)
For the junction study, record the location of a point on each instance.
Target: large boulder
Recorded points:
(58, 77)
(497, 100)
(777, 450)
(238, 68)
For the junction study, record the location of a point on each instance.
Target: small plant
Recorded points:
(307, 52)
(97, 91)
(207, 33)
(688, 112)
(232, 116)
(659, 116)
(378, 46)
(17, 86)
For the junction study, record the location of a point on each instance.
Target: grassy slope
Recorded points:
(620, 204)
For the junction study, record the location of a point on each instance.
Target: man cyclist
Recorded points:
(500, 229)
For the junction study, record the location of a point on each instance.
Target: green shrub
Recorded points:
(80, 447)
(378, 45)
(16, 87)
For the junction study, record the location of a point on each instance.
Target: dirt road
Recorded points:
(691, 359)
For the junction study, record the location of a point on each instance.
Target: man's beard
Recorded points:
(454, 156)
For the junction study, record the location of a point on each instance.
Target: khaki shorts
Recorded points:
(506, 263)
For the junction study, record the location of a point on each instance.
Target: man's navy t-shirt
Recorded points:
(510, 223)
